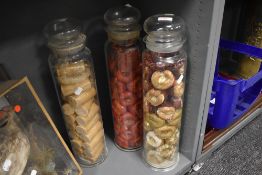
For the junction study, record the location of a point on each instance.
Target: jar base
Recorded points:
(159, 168)
(84, 163)
(127, 150)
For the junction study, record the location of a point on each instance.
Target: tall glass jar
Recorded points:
(72, 69)
(123, 52)
(164, 67)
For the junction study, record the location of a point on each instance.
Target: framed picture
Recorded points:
(30, 142)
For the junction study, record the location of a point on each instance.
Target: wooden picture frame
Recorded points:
(36, 123)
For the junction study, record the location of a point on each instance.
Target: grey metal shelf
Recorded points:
(119, 162)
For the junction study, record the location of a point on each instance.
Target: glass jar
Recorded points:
(72, 69)
(14, 145)
(164, 67)
(124, 62)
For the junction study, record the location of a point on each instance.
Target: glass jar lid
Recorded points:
(64, 35)
(165, 32)
(122, 22)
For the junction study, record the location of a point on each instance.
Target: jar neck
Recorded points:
(124, 43)
(121, 34)
(163, 45)
(63, 52)
(67, 47)
(123, 38)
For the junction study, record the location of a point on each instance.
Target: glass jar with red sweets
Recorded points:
(164, 65)
(123, 53)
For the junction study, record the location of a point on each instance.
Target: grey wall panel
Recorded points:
(22, 18)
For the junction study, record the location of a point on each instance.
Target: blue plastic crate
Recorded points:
(230, 99)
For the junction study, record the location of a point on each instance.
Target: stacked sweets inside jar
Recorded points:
(72, 68)
(164, 65)
(125, 75)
